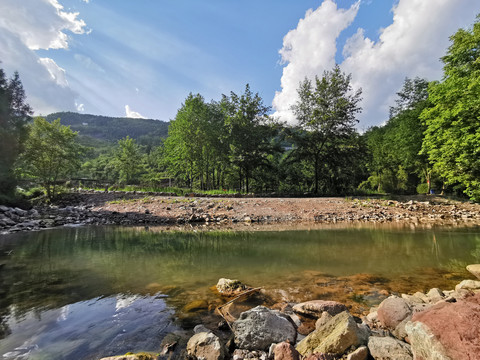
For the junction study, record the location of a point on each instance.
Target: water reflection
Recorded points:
(89, 329)
(49, 278)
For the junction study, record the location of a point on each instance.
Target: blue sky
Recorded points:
(143, 57)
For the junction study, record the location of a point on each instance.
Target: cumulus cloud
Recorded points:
(309, 49)
(31, 25)
(132, 114)
(411, 46)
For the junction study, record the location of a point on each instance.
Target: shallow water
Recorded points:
(88, 292)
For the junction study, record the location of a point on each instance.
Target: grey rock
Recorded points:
(388, 348)
(258, 328)
(315, 308)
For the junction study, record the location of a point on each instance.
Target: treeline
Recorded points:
(431, 140)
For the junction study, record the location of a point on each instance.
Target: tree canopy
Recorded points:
(452, 136)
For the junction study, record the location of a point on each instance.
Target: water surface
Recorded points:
(88, 292)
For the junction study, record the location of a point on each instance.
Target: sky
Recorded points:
(141, 58)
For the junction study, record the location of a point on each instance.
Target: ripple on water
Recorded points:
(90, 329)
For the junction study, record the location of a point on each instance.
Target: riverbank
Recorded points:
(437, 324)
(149, 209)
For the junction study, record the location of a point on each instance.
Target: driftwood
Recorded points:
(223, 310)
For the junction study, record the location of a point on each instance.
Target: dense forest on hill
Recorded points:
(102, 131)
(430, 142)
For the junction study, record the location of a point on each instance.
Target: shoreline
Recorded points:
(252, 213)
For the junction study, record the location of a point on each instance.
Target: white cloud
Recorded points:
(80, 107)
(132, 114)
(30, 25)
(309, 50)
(55, 71)
(411, 46)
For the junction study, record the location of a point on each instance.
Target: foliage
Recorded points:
(395, 163)
(128, 160)
(326, 113)
(249, 133)
(452, 137)
(14, 114)
(51, 154)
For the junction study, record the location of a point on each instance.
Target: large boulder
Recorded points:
(388, 348)
(447, 330)
(258, 328)
(334, 337)
(392, 311)
(205, 346)
(315, 308)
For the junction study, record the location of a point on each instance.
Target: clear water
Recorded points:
(88, 292)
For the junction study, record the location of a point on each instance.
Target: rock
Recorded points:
(315, 308)
(412, 299)
(196, 305)
(200, 328)
(392, 311)
(447, 330)
(435, 295)
(399, 332)
(320, 356)
(323, 319)
(240, 354)
(229, 287)
(3, 208)
(258, 328)
(360, 354)
(285, 351)
(388, 348)
(474, 269)
(337, 335)
(471, 285)
(205, 346)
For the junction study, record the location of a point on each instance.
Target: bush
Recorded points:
(422, 188)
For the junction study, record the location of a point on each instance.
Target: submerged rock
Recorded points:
(260, 327)
(334, 337)
(230, 287)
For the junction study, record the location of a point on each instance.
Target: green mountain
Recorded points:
(103, 131)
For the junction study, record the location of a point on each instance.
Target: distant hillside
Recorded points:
(95, 130)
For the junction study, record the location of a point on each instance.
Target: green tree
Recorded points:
(128, 160)
(452, 136)
(51, 154)
(14, 114)
(249, 131)
(326, 113)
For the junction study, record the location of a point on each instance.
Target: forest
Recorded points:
(429, 144)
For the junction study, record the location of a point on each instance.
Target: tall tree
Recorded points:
(14, 114)
(326, 113)
(250, 131)
(51, 154)
(128, 160)
(452, 137)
